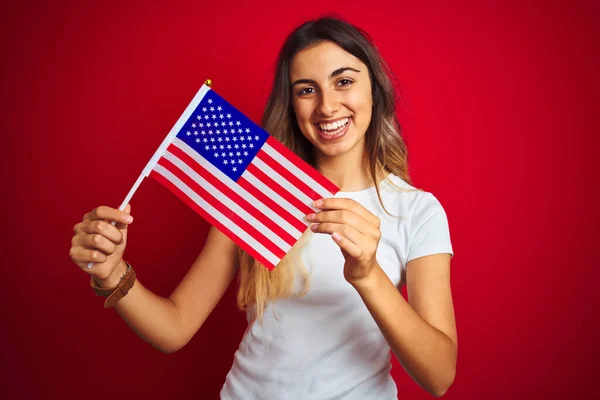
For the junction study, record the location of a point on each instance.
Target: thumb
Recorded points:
(121, 224)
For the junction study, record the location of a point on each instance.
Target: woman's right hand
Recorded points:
(96, 240)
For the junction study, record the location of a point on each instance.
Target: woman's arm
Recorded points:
(422, 332)
(168, 324)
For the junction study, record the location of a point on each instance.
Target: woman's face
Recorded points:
(331, 96)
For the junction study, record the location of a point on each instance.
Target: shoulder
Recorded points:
(410, 201)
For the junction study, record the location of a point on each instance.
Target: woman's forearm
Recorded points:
(153, 318)
(427, 354)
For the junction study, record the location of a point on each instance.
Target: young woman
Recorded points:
(321, 325)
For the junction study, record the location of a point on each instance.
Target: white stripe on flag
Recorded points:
(217, 214)
(260, 185)
(271, 173)
(273, 237)
(303, 176)
(286, 226)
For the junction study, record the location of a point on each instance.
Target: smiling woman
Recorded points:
(321, 325)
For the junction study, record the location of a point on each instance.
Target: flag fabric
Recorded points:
(238, 177)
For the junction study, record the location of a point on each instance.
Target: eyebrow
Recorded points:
(335, 73)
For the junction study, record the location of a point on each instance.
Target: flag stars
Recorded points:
(196, 133)
(203, 109)
(218, 132)
(234, 169)
(238, 123)
(244, 146)
(221, 115)
(247, 130)
(193, 125)
(207, 147)
(228, 115)
(214, 116)
(251, 145)
(257, 138)
(197, 140)
(209, 101)
(239, 131)
(223, 154)
(216, 154)
(206, 117)
(235, 139)
(246, 153)
(214, 147)
(229, 146)
(230, 154)
(230, 123)
(201, 125)
(223, 124)
(219, 108)
(198, 117)
(227, 138)
(236, 147)
(212, 139)
(205, 140)
(212, 109)
(203, 132)
(239, 161)
(225, 162)
(220, 139)
(250, 138)
(188, 133)
(210, 132)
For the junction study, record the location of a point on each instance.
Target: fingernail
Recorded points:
(128, 219)
(313, 227)
(318, 203)
(310, 217)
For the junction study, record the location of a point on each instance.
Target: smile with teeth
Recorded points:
(335, 127)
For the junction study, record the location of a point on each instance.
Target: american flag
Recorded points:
(238, 178)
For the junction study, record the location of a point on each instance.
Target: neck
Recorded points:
(349, 171)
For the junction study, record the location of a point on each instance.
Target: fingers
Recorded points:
(349, 205)
(345, 217)
(111, 214)
(82, 256)
(345, 230)
(102, 228)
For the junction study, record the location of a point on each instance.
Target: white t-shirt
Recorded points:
(326, 345)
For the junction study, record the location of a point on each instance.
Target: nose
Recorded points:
(329, 103)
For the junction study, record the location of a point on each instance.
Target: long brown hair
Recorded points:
(385, 149)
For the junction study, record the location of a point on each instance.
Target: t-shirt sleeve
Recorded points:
(429, 231)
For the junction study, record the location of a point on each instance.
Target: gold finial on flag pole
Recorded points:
(208, 82)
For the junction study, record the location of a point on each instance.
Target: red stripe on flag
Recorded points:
(235, 218)
(280, 190)
(227, 191)
(263, 198)
(209, 218)
(298, 162)
(286, 174)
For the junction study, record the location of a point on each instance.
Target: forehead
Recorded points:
(322, 59)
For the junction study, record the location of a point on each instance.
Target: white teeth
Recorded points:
(336, 125)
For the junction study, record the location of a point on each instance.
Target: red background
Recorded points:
(500, 112)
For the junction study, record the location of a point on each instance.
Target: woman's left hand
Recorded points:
(354, 229)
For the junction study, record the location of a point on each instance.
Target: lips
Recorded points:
(337, 135)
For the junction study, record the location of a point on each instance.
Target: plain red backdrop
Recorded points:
(500, 109)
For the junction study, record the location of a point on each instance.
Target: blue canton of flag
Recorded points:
(222, 135)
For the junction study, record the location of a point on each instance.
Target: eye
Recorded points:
(306, 91)
(345, 82)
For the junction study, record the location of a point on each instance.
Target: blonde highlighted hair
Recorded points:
(385, 148)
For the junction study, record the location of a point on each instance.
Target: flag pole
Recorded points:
(163, 146)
